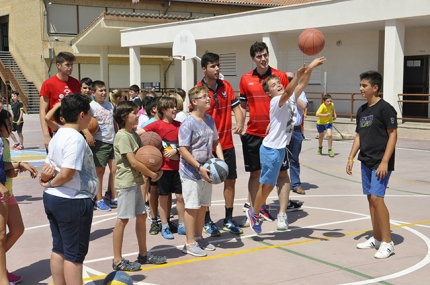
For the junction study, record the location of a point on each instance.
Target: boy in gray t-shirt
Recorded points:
(197, 136)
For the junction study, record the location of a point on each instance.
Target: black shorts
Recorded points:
(17, 128)
(230, 160)
(169, 183)
(251, 153)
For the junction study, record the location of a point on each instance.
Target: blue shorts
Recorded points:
(322, 128)
(372, 185)
(70, 222)
(271, 161)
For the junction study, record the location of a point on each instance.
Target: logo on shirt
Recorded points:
(366, 121)
(224, 94)
(251, 83)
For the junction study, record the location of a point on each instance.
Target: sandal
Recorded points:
(151, 259)
(126, 265)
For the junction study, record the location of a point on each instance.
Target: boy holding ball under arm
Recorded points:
(197, 135)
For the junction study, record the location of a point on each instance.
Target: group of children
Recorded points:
(74, 168)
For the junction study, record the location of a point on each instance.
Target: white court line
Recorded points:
(419, 265)
(231, 238)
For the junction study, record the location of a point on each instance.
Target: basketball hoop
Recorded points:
(184, 46)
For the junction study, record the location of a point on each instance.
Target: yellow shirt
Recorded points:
(324, 109)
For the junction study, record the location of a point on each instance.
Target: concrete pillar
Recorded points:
(271, 40)
(104, 66)
(187, 78)
(393, 62)
(135, 76)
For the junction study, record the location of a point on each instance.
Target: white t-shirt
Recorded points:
(142, 120)
(180, 116)
(68, 149)
(104, 116)
(282, 120)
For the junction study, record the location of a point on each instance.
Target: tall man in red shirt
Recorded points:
(253, 95)
(223, 102)
(56, 88)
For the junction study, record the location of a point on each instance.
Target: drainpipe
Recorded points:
(168, 7)
(51, 54)
(165, 73)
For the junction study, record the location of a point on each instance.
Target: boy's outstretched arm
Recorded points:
(290, 88)
(304, 79)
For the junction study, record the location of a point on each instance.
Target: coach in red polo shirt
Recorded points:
(223, 102)
(253, 95)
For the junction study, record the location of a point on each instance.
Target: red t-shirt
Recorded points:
(169, 133)
(223, 100)
(55, 89)
(251, 91)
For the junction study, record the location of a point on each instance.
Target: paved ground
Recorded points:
(318, 249)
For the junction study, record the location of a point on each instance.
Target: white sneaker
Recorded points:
(244, 223)
(370, 243)
(282, 222)
(385, 250)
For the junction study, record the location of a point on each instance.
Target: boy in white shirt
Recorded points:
(272, 150)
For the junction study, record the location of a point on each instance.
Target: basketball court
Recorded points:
(319, 248)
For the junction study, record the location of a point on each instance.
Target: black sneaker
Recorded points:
(294, 205)
(173, 227)
(155, 229)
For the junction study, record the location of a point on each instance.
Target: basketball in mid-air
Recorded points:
(218, 168)
(118, 278)
(93, 126)
(150, 156)
(151, 138)
(311, 41)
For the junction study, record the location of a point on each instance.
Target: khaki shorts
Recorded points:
(102, 153)
(196, 193)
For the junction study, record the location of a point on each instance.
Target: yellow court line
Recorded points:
(170, 264)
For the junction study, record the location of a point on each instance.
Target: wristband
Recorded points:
(351, 159)
(177, 151)
(198, 167)
(49, 182)
(19, 166)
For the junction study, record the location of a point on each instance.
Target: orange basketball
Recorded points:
(151, 138)
(93, 126)
(150, 156)
(311, 41)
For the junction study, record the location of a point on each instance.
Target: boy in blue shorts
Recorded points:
(70, 182)
(376, 137)
(326, 114)
(197, 136)
(282, 119)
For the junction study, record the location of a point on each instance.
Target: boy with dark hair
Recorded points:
(223, 102)
(102, 142)
(18, 121)
(134, 92)
(326, 114)
(282, 120)
(70, 182)
(56, 88)
(376, 137)
(86, 83)
(197, 137)
(168, 129)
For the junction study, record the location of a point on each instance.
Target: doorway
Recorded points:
(4, 36)
(416, 81)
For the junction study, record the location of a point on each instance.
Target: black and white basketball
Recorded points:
(218, 169)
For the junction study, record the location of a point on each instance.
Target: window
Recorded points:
(87, 15)
(63, 19)
(227, 63)
(295, 59)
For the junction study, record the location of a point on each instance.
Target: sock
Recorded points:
(147, 203)
(253, 213)
(181, 224)
(165, 226)
(228, 214)
(154, 221)
(329, 149)
(207, 217)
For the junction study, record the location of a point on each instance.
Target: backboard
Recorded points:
(184, 46)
